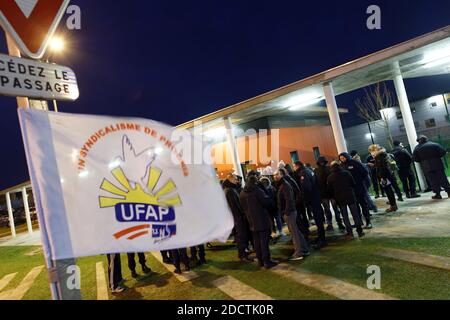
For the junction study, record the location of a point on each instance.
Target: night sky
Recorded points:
(173, 61)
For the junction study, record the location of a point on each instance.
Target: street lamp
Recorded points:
(56, 45)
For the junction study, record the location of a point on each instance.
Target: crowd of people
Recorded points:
(301, 196)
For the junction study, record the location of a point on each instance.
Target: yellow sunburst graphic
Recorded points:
(161, 197)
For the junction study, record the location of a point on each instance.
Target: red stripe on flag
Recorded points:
(137, 235)
(122, 233)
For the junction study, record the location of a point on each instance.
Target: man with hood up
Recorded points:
(257, 205)
(429, 155)
(385, 174)
(230, 186)
(362, 180)
(322, 173)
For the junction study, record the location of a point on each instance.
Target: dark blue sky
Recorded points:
(173, 61)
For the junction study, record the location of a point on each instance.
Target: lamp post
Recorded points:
(56, 45)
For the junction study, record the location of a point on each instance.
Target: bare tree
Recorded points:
(371, 107)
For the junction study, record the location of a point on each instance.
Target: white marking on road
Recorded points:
(329, 285)
(25, 285)
(239, 290)
(102, 288)
(6, 280)
(417, 258)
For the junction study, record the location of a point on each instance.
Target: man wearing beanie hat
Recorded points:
(404, 161)
(429, 155)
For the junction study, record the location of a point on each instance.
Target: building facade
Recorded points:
(431, 118)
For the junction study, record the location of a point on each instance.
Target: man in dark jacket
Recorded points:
(277, 223)
(311, 196)
(342, 186)
(256, 205)
(385, 174)
(302, 217)
(230, 186)
(404, 161)
(362, 180)
(322, 173)
(286, 205)
(429, 155)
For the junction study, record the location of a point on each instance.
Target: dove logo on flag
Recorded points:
(138, 194)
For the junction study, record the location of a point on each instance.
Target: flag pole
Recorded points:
(57, 269)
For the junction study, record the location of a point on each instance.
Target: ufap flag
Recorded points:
(116, 185)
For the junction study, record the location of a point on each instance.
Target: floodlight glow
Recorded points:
(370, 136)
(437, 58)
(305, 104)
(216, 133)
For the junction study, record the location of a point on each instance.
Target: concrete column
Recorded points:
(233, 147)
(10, 215)
(27, 210)
(408, 119)
(333, 113)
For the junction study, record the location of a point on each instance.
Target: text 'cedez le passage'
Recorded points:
(24, 75)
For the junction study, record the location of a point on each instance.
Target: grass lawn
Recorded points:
(347, 261)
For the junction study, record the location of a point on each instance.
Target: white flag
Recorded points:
(116, 185)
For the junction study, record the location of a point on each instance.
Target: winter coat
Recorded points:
(341, 186)
(308, 187)
(383, 166)
(429, 155)
(257, 205)
(403, 158)
(322, 173)
(295, 188)
(286, 198)
(233, 201)
(359, 173)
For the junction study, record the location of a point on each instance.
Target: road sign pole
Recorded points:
(13, 50)
(59, 277)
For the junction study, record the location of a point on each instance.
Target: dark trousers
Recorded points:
(132, 262)
(201, 252)
(363, 207)
(356, 218)
(180, 255)
(376, 183)
(318, 215)
(408, 181)
(114, 270)
(302, 219)
(438, 180)
(395, 186)
(166, 255)
(327, 204)
(391, 195)
(241, 236)
(261, 243)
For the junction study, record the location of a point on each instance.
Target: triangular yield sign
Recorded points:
(31, 23)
